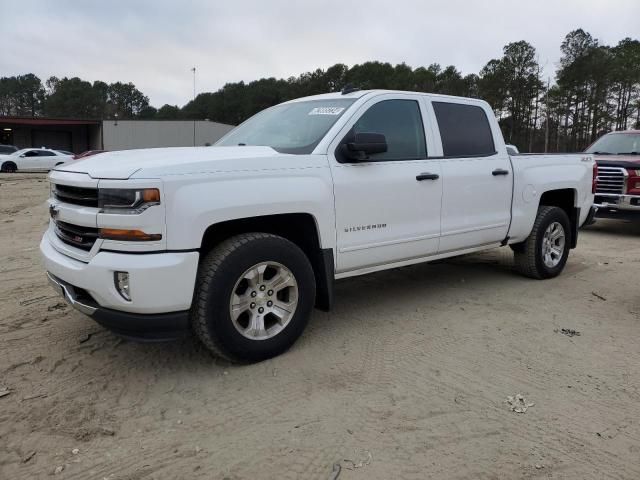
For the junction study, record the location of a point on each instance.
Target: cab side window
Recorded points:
(464, 130)
(401, 123)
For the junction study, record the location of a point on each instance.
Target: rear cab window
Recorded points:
(464, 130)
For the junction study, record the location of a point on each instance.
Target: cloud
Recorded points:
(154, 44)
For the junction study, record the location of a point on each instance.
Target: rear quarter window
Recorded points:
(464, 130)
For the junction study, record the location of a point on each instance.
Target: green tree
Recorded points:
(22, 95)
(73, 97)
(126, 99)
(584, 81)
(148, 113)
(513, 87)
(625, 77)
(168, 112)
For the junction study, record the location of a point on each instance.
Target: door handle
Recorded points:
(499, 171)
(427, 176)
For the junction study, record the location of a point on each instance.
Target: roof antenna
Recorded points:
(349, 88)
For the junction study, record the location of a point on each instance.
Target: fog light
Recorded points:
(122, 285)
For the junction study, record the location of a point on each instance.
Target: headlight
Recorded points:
(127, 201)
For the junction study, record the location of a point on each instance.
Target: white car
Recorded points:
(33, 160)
(239, 241)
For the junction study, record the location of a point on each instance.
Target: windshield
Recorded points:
(291, 127)
(617, 144)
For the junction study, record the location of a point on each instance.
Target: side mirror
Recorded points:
(359, 146)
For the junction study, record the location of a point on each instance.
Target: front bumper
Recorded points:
(160, 282)
(161, 286)
(609, 203)
(141, 327)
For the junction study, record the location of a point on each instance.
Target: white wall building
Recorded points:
(78, 135)
(128, 134)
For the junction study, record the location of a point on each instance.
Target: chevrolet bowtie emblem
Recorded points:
(53, 211)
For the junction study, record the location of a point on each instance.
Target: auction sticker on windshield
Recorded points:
(326, 111)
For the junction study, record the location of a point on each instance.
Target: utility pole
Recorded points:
(193, 69)
(546, 127)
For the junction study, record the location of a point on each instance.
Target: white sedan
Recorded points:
(33, 159)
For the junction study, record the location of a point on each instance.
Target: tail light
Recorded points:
(594, 180)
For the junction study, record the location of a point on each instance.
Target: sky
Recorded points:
(155, 44)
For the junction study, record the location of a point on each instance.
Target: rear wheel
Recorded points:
(544, 253)
(8, 167)
(254, 296)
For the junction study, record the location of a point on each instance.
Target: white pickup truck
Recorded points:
(239, 241)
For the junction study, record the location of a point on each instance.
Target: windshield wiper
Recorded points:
(629, 153)
(602, 153)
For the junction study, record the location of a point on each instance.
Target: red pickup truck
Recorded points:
(618, 183)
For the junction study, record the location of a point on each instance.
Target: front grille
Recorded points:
(77, 236)
(611, 180)
(87, 197)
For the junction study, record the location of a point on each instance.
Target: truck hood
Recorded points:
(628, 161)
(155, 162)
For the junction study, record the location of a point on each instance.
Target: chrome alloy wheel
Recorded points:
(263, 301)
(553, 244)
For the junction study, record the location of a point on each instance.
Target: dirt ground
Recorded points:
(406, 378)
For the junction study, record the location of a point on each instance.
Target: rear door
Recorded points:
(387, 207)
(476, 176)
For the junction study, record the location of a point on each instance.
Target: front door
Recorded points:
(46, 160)
(388, 206)
(28, 160)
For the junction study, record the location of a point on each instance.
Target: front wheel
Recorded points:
(544, 253)
(8, 167)
(254, 295)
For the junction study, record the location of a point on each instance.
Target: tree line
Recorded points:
(596, 90)
(26, 95)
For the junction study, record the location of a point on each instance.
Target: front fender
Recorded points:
(194, 203)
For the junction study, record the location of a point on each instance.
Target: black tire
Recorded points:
(217, 276)
(529, 257)
(8, 167)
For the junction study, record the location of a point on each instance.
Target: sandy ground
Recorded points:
(407, 378)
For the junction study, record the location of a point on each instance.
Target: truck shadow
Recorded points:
(392, 293)
(429, 279)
